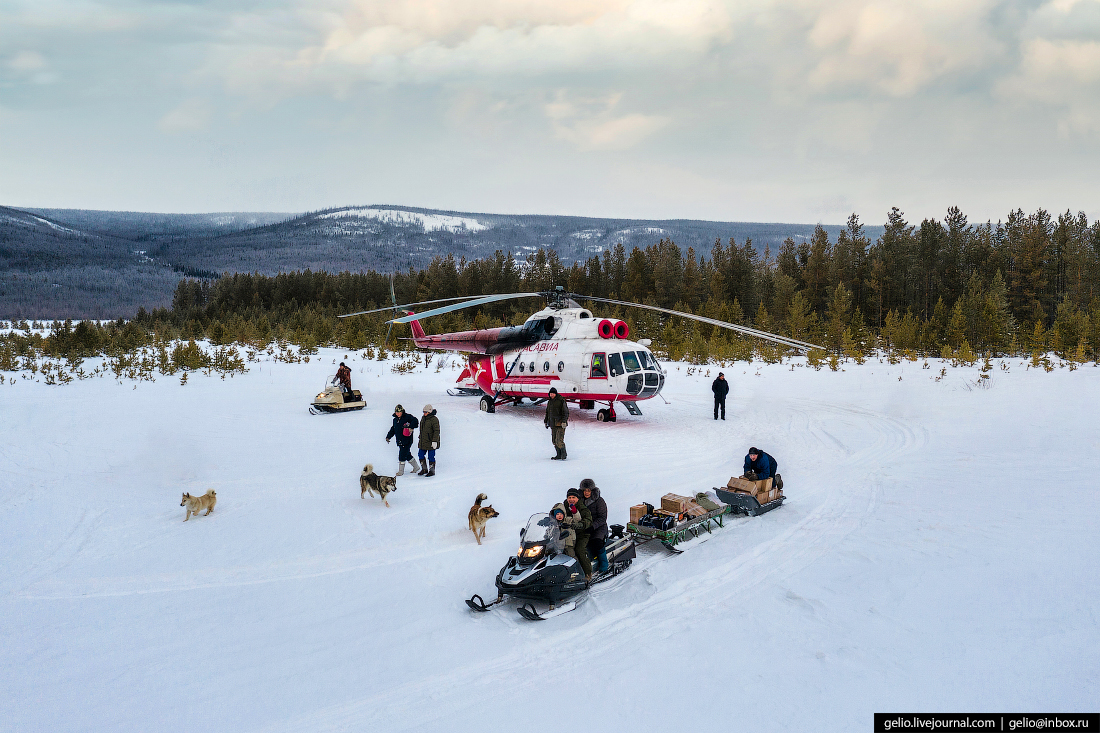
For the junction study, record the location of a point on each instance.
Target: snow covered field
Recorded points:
(938, 552)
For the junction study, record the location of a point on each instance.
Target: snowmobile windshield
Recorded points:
(540, 535)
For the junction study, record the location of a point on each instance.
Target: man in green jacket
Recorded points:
(429, 440)
(578, 517)
(557, 419)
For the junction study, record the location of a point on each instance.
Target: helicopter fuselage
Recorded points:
(586, 359)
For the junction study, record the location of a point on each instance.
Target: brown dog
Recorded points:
(195, 504)
(370, 482)
(480, 516)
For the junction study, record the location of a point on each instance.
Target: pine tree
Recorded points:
(956, 326)
(839, 316)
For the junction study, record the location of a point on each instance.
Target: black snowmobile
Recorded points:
(541, 571)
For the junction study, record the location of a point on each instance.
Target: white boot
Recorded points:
(413, 465)
(401, 468)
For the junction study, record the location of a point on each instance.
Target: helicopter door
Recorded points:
(597, 369)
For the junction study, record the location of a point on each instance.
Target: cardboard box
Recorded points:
(740, 484)
(636, 513)
(694, 510)
(675, 503)
(762, 486)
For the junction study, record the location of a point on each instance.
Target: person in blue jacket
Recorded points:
(760, 466)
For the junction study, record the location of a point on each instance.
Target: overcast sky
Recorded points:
(758, 110)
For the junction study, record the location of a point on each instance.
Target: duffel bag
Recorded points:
(662, 522)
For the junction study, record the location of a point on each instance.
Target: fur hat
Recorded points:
(574, 492)
(399, 408)
(553, 390)
(587, 484)
(427, 408)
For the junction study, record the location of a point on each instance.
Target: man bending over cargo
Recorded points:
(759, 466)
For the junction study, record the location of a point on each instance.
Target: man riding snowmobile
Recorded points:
(343, 376)
(598, 537)
(579, 519)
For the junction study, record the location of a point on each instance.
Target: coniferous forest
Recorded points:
(941, 287)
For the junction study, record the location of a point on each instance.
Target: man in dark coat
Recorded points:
(557, 419)
(579, 518)
(403, 426)
(590, 494)
(343, 376)
(720, 387)
(759, 465)
(429, 440)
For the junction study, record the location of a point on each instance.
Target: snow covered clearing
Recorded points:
(430, 222)
(937, 553)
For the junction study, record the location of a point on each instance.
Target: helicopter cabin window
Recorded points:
(631, 361)
(546, 367)
(521, 367)
(532, 367)
(599, 367)
(616, 364)
(561, 366)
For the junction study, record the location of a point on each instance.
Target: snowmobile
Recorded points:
(334, 399)
(541, 571)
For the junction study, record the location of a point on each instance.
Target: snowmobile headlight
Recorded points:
(532, 551)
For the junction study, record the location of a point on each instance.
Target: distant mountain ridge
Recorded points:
(85, 263)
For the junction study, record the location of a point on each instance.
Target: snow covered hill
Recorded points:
(937, 553)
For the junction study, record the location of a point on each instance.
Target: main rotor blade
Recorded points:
(783, 340)
(467, 304)
(399, 307)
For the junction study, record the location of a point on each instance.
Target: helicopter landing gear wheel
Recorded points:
(604, 415)
(487, 404)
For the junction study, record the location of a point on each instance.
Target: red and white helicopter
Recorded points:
(588, 359)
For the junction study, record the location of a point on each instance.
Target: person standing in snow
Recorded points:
(429, 440)
(403, 426)
(557, 419)
(598, 538)
(720, 387)
(760, 466)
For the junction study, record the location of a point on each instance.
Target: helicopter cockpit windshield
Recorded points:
(540, 537)
(644, 375)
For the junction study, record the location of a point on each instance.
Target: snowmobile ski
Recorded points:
(529, 612)
(478, 603)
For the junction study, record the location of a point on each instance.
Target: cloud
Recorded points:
(595, 125)
(899, 48)
(190, 116)
(27, 61)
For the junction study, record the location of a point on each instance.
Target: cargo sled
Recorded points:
(752, 497)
